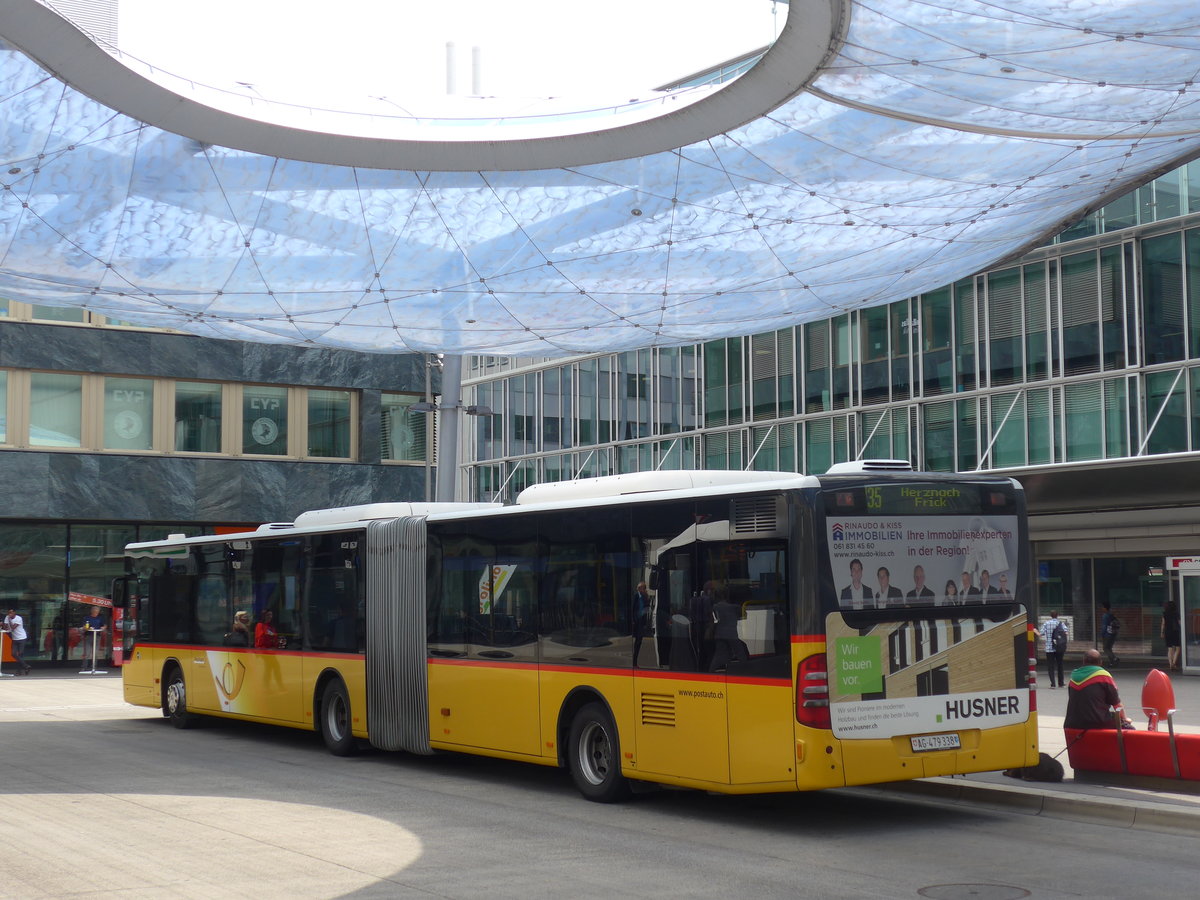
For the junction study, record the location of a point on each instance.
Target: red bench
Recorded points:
(1161, 754)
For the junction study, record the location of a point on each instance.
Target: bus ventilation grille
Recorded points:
(755, 515)
(869, 465)
(658, 709)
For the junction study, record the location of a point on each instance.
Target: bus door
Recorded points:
(680, 710)
(720, 666)
(483, 672)
(130, 610)
(754, 627)
(264, 679)
(183, 608)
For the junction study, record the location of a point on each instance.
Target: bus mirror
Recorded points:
(120, 592)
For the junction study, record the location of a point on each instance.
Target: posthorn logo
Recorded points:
(837, 531)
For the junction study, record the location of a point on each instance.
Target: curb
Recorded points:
(1143, 815)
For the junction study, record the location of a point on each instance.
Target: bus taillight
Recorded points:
(1032, 683)
(812, 692)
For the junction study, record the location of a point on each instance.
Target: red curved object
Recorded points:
(1158, 696)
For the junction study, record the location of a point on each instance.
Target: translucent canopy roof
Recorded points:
(874, 152)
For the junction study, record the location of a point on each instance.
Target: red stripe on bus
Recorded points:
(808, 638)
(623, 673)
(481, 663)
(205, 648)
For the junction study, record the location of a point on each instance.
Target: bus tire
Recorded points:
(175, 700)
(594, 755)
(335, 719)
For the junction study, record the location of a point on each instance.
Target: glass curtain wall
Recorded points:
(50, 573)
(1134, 587)
(1076, 354)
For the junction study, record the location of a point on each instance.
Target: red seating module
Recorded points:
(1139, 752)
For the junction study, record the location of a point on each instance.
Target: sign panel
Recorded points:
(884, 561)
(947, 671)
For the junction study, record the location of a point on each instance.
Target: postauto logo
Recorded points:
(838, 531)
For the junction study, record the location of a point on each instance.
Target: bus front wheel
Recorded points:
(175, 705)
(335, 719)
(594, 755)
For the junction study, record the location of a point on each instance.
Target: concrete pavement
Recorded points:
(1149, 804)
(48, 694)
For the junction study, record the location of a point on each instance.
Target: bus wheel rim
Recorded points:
(174, 697)
(595, 753)
(337, 718)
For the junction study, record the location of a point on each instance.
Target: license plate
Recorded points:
(923, 742)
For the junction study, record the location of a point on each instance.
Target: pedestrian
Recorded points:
(1171, 634)
(1093, 697)
(15, 626)
(1054, 642)
(1110, 627)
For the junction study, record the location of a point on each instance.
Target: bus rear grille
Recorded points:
(755, 515)
(658, 709)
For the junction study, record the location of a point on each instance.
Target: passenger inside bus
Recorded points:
(239, 632)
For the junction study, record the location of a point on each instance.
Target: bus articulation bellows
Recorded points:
(791, 632)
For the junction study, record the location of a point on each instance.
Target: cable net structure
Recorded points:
(923, 142)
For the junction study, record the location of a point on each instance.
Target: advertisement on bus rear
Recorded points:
(886, 561)
(942, 666)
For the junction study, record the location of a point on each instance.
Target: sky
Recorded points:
(528, 48)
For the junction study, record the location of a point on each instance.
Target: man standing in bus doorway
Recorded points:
(1054, 642)
(728, 644)
(855, 595)
(639, 618)
(15, 626)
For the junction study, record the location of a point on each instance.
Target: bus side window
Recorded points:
(333, 594)
(172, 590)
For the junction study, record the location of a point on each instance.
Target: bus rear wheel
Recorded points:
(594, 755)
(175, 701)
(335, 719)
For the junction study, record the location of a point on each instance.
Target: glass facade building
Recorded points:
(1075, 368)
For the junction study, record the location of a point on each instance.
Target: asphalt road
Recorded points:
(98, 798)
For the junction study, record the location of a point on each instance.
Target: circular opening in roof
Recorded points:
(245, 81)
(339, 56)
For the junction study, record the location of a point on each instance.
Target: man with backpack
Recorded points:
(1110, 628)
(1054, 642)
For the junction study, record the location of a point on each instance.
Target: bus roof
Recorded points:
(607, 490)
(643, 483)
(603, 491)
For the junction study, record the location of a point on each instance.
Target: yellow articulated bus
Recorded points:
(734, 632)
